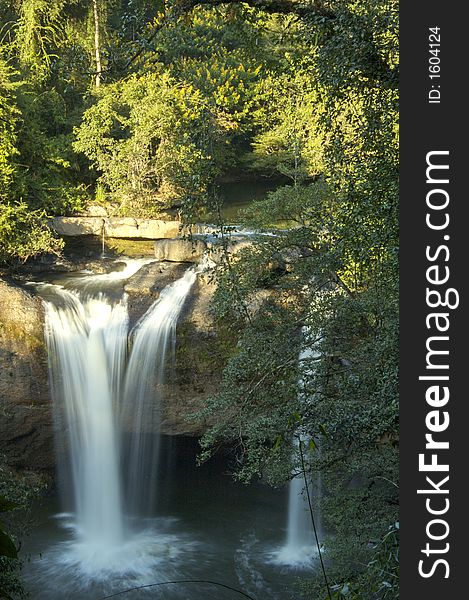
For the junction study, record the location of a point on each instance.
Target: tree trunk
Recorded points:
(97, 48)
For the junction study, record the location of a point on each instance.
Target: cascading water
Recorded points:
(98, 388)
(152, 337)
(299, 529)
(87, 340)
(300, 546)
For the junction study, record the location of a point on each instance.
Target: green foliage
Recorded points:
(295, 206)
(291, 141)
(149, 138)
(222, 54)
(47, 174)
(24, 233)
(200, 102)
(379, 578)
(36, 33)
(360, 44)
(261, 369)
(8, 117)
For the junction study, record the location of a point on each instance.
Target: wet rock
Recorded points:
(145, 286)
(198, 310)
(202, 349)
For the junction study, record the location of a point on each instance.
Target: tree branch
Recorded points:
(182, 7)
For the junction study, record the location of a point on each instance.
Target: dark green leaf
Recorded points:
(7, 547)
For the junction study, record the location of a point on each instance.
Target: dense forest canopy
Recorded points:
(142, 106)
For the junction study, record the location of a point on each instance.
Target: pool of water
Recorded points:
(239, 195)
(206, 527)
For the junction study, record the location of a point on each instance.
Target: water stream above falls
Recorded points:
(137, 513)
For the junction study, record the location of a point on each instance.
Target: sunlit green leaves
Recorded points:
(149, 138)
(24, 233)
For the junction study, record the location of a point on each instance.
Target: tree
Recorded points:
(24, 231)
(149, 137)
(291, 142)
(8, 118)
(97, 44)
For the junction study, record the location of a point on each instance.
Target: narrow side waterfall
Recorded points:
(100, 386)
(152, 338)
(300, 545)
(87, 347)
(299, 528)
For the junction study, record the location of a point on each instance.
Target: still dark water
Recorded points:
(239, 195)
(206, 526)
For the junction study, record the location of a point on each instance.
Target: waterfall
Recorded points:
(299, 528)
(300, 546)
(87, 346)
(152, 338)
(99, 386)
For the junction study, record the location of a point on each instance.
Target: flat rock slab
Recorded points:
(116, 227)
(75, 226)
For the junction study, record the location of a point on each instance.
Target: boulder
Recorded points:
(145, 286)
(152, 278)
(180, 250)
(94, 210)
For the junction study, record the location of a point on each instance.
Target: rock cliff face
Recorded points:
(26, 430)
(200, 352)
(26, 421)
